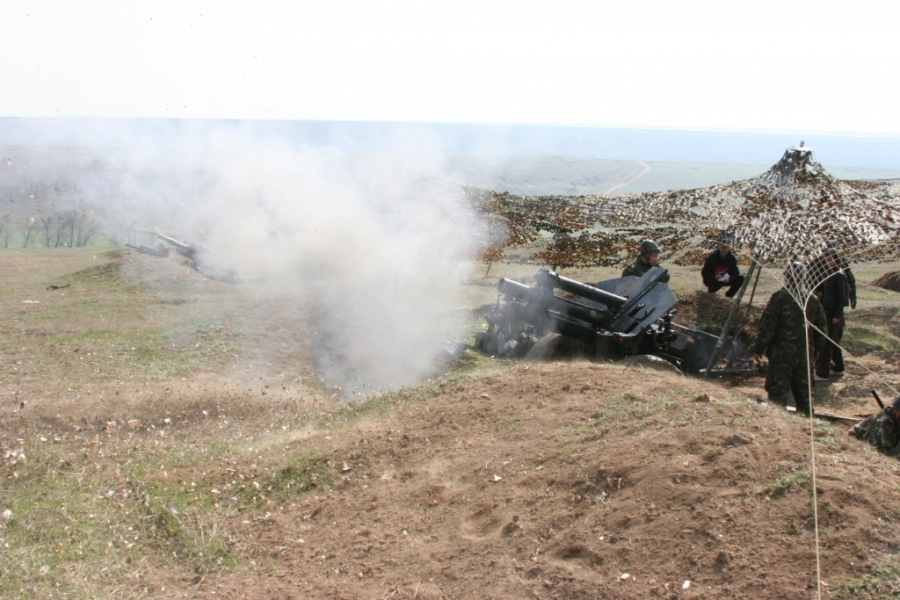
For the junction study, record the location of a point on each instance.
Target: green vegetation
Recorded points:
(81, 519)
(786, 483)
(859, 340)
(626, 407)
(207, 345)
(881, 582)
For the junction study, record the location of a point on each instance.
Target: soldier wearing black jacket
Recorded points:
(721, 270)
(834, 294)
(819, 265)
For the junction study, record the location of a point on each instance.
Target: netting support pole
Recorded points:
(737, 301)
(753, 291)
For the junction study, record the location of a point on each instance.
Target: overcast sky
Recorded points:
(765, 64)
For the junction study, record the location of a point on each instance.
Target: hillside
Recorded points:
(166, 436)
(789, 212)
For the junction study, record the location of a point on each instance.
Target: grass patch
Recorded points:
(85, 510)
(205, 345)
(74, 525)
(859, 340)
(263, 487)
(627, 406)
(882, 582)
(784, 484)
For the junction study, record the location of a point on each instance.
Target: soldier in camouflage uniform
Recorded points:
(649, 257)
(782, 338)
(882, 429)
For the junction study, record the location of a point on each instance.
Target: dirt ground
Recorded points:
(558, 480)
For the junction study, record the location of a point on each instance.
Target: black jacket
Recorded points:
(835, 295)
(716, 263)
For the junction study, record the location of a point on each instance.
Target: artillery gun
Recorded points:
(205, 261)
(609, 320)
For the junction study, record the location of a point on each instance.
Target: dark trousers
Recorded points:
(733, 286)
(831, 353)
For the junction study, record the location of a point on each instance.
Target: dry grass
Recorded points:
(136, 422)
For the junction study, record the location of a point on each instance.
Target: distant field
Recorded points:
(855, 173)
(685, 176)
(571, 176)
(543, 175)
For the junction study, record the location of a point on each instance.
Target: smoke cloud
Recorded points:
(369, 248)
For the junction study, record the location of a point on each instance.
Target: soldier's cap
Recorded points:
(725, 242)
(896, 404)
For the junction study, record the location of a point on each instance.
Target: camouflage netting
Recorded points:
(792, 212)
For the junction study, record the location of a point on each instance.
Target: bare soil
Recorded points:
(889, 281)
(519, 485)
(502, 479)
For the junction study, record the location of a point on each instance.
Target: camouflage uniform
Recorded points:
(639, 268)
(851, 284)
(782, 339)
(881, 430)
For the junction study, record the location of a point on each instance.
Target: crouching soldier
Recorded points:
(882, 429)
(721, 270)
(648, 257)
(782, 338)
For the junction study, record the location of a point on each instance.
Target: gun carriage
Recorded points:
(609, 320)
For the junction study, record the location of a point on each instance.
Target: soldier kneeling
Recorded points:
(882, 429)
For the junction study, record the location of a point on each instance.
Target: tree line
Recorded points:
(67, 228)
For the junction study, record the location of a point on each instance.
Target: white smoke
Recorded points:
(371, 247)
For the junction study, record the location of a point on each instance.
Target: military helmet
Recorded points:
(648, 246)
(795, 272)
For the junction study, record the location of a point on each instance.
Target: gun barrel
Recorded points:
(173, 241)
(543, 299)
(555, 280)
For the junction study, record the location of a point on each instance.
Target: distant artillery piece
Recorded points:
(189, 251)
(159, 252)
(201, 259)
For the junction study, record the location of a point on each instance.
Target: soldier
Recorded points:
(649, 257)
(721, 270)
(851, 281)
(782, 338)
(819, 265)
(834, 294)
(882, 429)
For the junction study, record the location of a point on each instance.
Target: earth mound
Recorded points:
(889, 281)
(574, 480)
